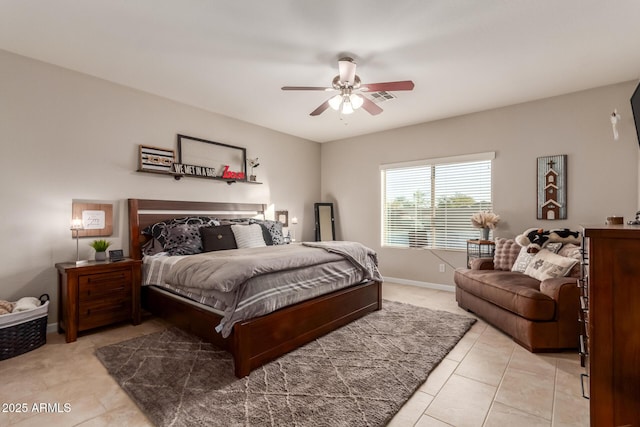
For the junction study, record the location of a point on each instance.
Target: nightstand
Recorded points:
(97, 294)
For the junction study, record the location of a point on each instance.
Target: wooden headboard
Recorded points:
(144, 212)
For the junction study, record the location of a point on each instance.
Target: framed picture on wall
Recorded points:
(552, 187)
(97, 219)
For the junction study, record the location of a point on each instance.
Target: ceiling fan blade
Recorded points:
(307, 88)
(320, 109)
(370, 106)
(388, 86)
(347, 69)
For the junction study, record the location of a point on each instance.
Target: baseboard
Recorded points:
(429, 285)
(52, 327)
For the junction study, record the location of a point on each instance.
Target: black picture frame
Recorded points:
(116, 255)
(217, 157)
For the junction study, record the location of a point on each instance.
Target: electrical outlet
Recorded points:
(441, 268)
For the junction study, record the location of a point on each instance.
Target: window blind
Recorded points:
(429, 203)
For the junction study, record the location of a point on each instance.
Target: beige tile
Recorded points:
(427, 421)
(126, 416)
(462, 402)
(484, 363)
(536, 363)
(527, 392)
(81, 409)
(570, 411)
(412, 410)
(463, 346)
(501, 415)
(568, 376)
(438, 377)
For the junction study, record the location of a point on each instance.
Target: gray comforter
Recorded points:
(245, 283)
(224, 271)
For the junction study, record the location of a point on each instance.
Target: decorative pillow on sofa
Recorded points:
(572, 251)
(523, 260)
(217, 238)
(183, 239)
(507, 251)
(524, 257)
(248, 236)
(547, 265)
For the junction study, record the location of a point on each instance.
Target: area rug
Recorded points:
(358, 375)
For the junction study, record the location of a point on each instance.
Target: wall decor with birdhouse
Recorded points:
(552, 187)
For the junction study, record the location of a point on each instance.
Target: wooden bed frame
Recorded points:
(256, 341)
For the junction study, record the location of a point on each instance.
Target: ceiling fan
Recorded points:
(348, 83)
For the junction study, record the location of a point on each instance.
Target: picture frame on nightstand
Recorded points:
(116, 255)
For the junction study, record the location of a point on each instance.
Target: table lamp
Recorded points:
(76, 225)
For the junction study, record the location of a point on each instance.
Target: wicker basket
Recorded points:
(24, 331)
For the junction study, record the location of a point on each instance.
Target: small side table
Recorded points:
(97, 294)
(479, 249)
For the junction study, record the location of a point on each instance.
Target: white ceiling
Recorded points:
(232, 57)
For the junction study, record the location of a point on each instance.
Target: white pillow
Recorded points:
(521, 263)
(248, 236)
(547, 265)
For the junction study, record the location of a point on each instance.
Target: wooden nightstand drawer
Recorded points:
(103, 285)
(103, 312)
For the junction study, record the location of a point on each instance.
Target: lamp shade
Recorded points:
(356, 101)
(76, 224)
(335, 102)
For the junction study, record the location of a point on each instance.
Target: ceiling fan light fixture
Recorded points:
(335, 102)
(356, 101)
(347, 108)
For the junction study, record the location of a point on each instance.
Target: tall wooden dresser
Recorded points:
(611, 294)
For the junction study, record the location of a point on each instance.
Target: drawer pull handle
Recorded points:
(582, 377)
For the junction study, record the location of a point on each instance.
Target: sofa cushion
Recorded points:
(512, 291)
(547, 265)
(507, 251)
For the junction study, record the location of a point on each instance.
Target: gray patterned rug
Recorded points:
(359, 375)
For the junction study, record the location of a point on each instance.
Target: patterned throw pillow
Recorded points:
(248, 236)
(524, 257)
(507, 251)
(523, 260)
(275, 229)
(547, 265)
(183, 239)
(159, 230)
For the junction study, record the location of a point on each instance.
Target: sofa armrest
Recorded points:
(482, 264)
(559, 285)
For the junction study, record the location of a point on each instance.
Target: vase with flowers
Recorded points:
(485, 221)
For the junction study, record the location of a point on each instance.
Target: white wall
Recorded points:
(67, 136)
(602, 173)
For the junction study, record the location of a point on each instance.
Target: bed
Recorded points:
(256, 341)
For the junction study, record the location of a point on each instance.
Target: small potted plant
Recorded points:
(253, 163)
(100, 246)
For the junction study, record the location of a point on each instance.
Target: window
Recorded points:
(429, 203)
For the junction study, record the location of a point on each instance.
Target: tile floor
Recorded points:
(487, 380)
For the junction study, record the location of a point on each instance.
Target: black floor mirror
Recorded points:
(325, 222)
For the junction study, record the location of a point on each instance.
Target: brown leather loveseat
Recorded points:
(540, 315)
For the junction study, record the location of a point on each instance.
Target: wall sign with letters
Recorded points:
(197, 157)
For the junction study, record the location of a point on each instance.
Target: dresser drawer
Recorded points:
(103, 285)
(103, 312)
